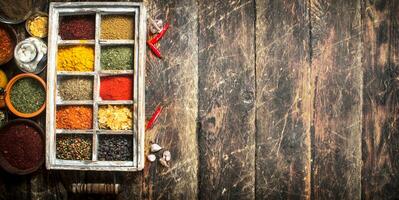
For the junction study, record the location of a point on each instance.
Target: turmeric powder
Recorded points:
(75, 58)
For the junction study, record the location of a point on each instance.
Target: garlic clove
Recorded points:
(163, 162)
(167, 155)
(151, 157)
(155, 148)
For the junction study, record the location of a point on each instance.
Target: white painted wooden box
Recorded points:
(98, 9)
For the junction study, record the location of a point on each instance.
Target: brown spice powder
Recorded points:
(74, 117)
(117, 27)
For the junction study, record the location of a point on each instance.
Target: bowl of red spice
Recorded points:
(21, 146)
(8, 38)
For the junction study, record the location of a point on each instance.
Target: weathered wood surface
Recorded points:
(226, 99)
(284, 101)
(172, 82)
(336, 67)
(380, 152)
(262, 99)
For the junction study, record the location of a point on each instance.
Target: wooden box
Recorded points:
(98, 9)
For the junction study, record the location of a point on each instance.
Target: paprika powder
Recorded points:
(116, 88)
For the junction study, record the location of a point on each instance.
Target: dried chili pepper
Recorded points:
(154, 117)
(155, 39)
(151, 43)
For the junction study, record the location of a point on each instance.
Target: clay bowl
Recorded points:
(8, 98)
(14, 39)
(4, 163)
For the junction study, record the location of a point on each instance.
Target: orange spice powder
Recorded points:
(74, 117)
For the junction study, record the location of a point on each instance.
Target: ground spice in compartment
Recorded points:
(117, 58)
(27, 95)
(6, 45)
(75, 58)
(38, 26)
(22, 146)
(74, 147)
(76, 88)
(115, 117)
(116, 88)
(77, 27)
(115, 147)
(117, 27)
(74, 117)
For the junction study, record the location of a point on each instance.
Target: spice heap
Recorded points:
(74, 117)
(117, 27)
(76, 88)
(6, 45)
(22, 146)
(77, 27)
(38, 26)
(3, 118)
(115, 147)
(27, 95)
(117, 58)
(75, 58)
(115, 117)
(116, 88)
(74, 147)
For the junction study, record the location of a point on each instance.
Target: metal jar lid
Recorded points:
(31, 55)
(17, 11)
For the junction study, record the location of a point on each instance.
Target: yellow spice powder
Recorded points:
(38, 26)
(115, 117)
(75, 58)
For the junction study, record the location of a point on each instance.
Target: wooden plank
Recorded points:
(226, 99)
(336, 66)
(172, 82)
(380, 142)
(284, 100)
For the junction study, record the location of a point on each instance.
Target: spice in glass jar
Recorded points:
(37, 26)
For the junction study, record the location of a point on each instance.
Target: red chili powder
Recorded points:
(116, 88)
(77, 27)
(22, 146)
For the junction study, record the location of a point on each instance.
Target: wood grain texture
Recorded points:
(336, 67)
(284, 100)
(380, 175)
(226, 99)
(173, 83)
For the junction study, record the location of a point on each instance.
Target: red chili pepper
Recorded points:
(154, 117)
(155, 39)
(151, 43)
(154, 49)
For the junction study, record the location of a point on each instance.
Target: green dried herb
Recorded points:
(76, 88)
(27, 95)
(117, 58)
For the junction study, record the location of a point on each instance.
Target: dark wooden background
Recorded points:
(265, 99)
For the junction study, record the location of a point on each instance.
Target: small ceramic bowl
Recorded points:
(32, 17)
(8, 98)
(13, 170)
(14, 39)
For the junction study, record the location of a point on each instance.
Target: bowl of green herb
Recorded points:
(26, 95)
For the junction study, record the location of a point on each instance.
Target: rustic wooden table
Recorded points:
(263, 99)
